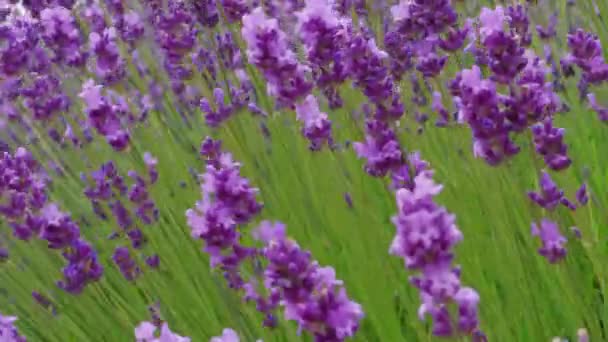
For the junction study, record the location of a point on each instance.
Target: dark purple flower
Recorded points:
(82, 269)
(153, 261)
(582, 195)
(58, 229)
(127, 265)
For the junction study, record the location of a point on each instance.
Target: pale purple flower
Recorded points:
(228, 335)
(8, 331)
(316, 126)
(145, 332)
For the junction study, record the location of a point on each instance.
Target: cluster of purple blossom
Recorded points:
(426, 236)
(26, 209)
(287, 79)
(8, 332)
(310, 294)
(108, 187)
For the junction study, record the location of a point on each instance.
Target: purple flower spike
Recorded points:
(59, 230)
(425, 233)
(312, 296)
(479, 107)
(267, 48)
(320, 30)
(8, 331)
(128, 267)
(105, 116)
(44, 301)
(582, 195)
(145, 332)
(62, 36)
(110, 66)
(211, 150)
(153, 261)
(550, 31)
(439, 108)
(381, 149)
(550, 196)
(552, 240)
(228, 335)
(505, 50)
(317, 127)
(549, 142)
(425, 239)
(83, 267)
(151, 163)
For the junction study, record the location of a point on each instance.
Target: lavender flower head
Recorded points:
(8, 331)
(228, 335)
(550, 195)
(426, 233)
(549, 143)
(311, 295)
(552, 240)
(267, 49)
(62, 35)
(317, 127)
(145, 332)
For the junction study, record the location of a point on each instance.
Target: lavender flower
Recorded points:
(426, 236)
(62, 36)
(83, 267)
(145, 331)
(110, 66)
(128, 267)
(549, 143)
(317, 127)
(321, 32)
(550, 196)
(552, 240)
(312, 296)
(479, 107)
(227, 200)
(381, 149)
(582, 195)
(104, 116)
(228, 335)
(267, 49)
(505, 51)
(8, 331)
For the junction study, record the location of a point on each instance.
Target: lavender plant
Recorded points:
(321, 115)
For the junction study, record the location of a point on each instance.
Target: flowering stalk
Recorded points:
(267, 49)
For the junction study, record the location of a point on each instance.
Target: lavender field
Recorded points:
(303, 170)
